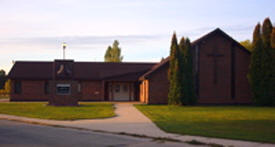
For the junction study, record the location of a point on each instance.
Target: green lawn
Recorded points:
(42, 110)
(234, 122)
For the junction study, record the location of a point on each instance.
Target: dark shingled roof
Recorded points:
(31, 70)
(205, 37)
(155, 68)
(81, 70)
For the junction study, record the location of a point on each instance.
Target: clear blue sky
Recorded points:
(35, 29)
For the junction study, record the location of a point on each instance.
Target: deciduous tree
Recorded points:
(113, 54)
(247, 44)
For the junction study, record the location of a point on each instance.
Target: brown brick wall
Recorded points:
(30, 91)
(207, 88)
(221, 92)
(92, 91)
(158, 86)
(243, 91)
(34, 90)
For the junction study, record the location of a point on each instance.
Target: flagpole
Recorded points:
(64, 45)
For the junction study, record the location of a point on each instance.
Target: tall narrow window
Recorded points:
(17, 87)
(46, 87)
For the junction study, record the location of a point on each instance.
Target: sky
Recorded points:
(35, 29)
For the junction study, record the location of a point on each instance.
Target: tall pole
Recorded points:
(64, 45)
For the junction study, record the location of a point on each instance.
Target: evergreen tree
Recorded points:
(262, 70)
(186, 78)
(173, 73)
(255, 73)
(267, 81)
(182, 64)
(113, 54)
(273, 63)
(266, 32)
(173, 50)
(174, 95)
(189, 91)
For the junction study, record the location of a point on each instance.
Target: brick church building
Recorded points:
(220, 67)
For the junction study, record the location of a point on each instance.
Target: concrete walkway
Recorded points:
(4, 100)
(128, 120)
(131, 121)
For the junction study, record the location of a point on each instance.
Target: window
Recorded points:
(63, 89)
(17, 87)
(46, 87)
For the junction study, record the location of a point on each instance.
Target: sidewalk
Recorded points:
(4, 100)
(131, 121)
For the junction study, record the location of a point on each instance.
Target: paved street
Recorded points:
(17, 134)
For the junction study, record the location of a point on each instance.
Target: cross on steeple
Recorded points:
(215, 56)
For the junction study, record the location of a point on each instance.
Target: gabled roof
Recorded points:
(81, 70)
(155, 68)
(203, 38)
(219, 31)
